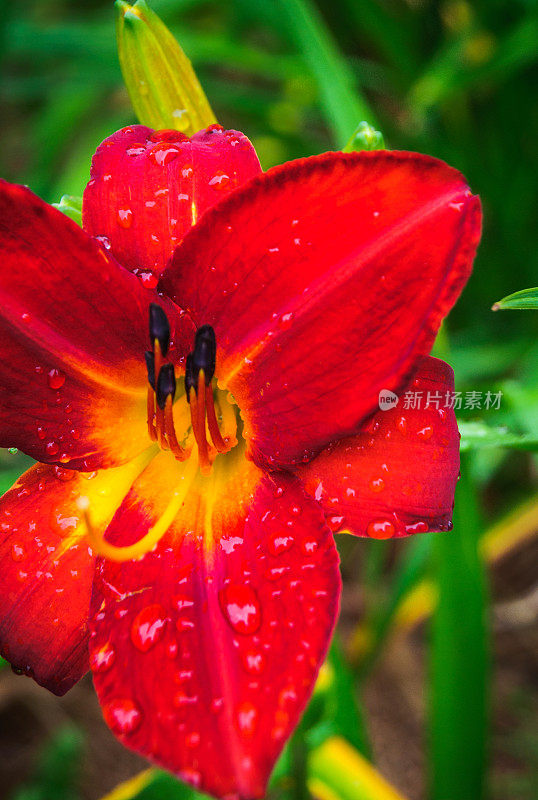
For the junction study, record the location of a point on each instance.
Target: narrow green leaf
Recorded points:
(477, 435)
(525, 299)
(71, 206)
(459, 657)
(342, 103)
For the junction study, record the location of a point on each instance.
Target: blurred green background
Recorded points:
(439, 635)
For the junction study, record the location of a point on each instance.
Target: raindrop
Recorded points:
(148, 627)
(279, 543)
(380, 529)
(253, 662)
(101, 660)
(125, 217)
(247, 718)
(163, 153)
(220, 180)
(241, 608)
(377, 485)
(122, 715)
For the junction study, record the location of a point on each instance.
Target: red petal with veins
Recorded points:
(397, 477)
(47, 568)
(218, 634)
(47, 574)
(73, 331)
(325, 280)
(148, 188)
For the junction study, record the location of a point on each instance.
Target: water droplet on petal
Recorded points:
(425, 433)
(254, 662)
(247, 718)
(241, 608)
(17, 552)
(51, 448)
(148, 627)
(163, 153)
(123, 716)
(56, 379)
(125, 217)
(220, 180)
(278, 543)
(377, 485)
(380, 529)
(101, 660)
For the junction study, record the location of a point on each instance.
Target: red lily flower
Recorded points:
(212, 571)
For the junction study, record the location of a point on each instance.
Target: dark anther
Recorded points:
(159, 327)
(150, 364)
(166, 385)
(190, 379)
(204, 353)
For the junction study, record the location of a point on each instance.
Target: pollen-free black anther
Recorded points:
(150, 364)
(191, 381)
(159, 328)
(205, 353)
(166, 384)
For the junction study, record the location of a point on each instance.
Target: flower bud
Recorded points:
(161, 82)
(365, 138)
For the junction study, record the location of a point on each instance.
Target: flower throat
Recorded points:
(162, 386)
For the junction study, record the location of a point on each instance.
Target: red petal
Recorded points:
(148, 188)
(399, 476)
(217, 634)
(325, 279)
(47, 568)
(45, 595)
(74, 328)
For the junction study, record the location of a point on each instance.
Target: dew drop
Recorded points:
(377, 485)
(122, 715)
(148, 627)
(56, 379)
(17, 552)
(417, 527)
(247, 718)
(163, 153)
(241, 608)
(220, 180)
(217, 704)
(125, 217)
(51, 448)
(380, 529)
(253, 662)
(102, 660)
(279, 543)
(425, 433)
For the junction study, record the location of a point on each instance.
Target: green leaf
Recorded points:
(476, 435)
(459, 656)
(58, 770)
(342, 103)
(525, 299)
(71, 206)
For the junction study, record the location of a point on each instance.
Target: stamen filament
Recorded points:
(212, 423)
(151, 413)
(180, 453)
(203, 447)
